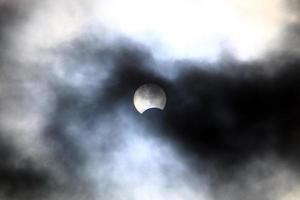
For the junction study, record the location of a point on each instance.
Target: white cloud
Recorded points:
(197, 29)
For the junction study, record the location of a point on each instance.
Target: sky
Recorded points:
(230, 128)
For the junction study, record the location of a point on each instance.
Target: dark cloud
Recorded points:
(227, 116)
(229, 113)
(231, 118)
(19, 177)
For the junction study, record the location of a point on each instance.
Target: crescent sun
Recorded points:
(149, 96)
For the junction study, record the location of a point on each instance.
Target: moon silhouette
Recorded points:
(149, 96)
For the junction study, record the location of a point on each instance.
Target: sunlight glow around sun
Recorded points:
(198, 29)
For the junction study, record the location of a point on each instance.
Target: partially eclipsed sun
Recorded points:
(149, 96)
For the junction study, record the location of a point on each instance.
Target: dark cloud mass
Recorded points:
(223, 115)
(69, 129)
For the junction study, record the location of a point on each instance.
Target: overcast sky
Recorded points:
(230, 128)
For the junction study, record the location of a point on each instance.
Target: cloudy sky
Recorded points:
(231, 126)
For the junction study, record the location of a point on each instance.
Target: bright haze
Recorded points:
(229, 130)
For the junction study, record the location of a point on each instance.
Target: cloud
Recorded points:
(69, 130)
(198, 29)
